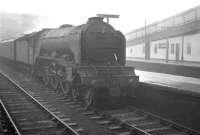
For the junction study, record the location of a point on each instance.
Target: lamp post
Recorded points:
(167, 49)
(182, 48)
(147, 42)
(145, 39)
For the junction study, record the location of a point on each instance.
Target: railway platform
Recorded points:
(174, 97)
(188, 69)
(182, 84)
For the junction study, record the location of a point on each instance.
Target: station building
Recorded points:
(176, 38)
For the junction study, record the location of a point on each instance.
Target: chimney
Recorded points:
(95, 20)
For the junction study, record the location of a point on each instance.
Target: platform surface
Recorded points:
(177, 63)
(179, 82)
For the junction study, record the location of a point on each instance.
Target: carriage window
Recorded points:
(189, 49)
(172, 48)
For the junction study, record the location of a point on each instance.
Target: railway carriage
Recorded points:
(7, 49)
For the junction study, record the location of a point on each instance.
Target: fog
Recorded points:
(14, 24)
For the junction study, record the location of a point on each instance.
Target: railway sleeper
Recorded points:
(22, 112)
(50, 131)
(104, 122)
(25, 119)
(56, 112)
(132, 119)
(62, 99)
(70, 103)
(126, 114)
(61, 116)
(9, 92)
(4, 88)
(79, 130)
(52, 109)
(88, 113)
(19, 104)
(176, 133)
(170, 132)
(16, 108)
(19, 100)
(96, 117)
(81, 109)
(75, 106)
(72, 124)
(36, 123)
(157, 129)
(65, 119)
(115, 127)
(119, 129)
(124, 133)
(145, 123)
(38, 127)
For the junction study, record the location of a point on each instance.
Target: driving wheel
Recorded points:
(75, 94)
(65, 88)
(54, 82)
(45, 78)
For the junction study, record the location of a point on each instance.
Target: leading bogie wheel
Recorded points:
(75, 94)
(54, 82)
(89, 98)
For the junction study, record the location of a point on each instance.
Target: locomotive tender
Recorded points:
(86, 61)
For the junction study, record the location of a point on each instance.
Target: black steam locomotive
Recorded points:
(86, 61)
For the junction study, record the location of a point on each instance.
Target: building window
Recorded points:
(131, 50)
(155, 49)
(143, 49)
(172, 48)
(189, 49)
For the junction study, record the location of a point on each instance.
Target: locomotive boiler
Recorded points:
(94, 42)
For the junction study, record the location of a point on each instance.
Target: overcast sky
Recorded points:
(53, 13)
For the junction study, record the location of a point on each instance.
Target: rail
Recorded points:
(134, 118)
(10, 118)
(168, 121)
(71, 131)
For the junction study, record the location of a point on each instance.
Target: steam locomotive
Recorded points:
(86, 61)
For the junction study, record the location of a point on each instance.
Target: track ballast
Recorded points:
(29, 116)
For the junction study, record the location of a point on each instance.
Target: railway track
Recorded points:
(129, 121)
(8, 126)
(28, 115)
(132, 121)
